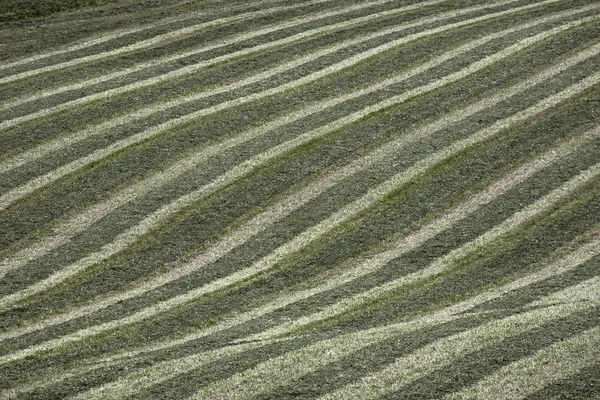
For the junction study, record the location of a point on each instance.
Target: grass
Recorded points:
(308, 199)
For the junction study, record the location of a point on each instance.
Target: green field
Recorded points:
(315, 199)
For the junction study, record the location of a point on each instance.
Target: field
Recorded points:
(315, 199)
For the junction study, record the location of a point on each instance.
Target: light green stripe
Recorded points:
(139, 380)
(444, 263)
(39, 182)
(238, 38)
(437, 267)
(117, 34)
(309, 235)
(206, 63)
(285, 369)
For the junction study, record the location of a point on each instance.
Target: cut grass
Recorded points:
(161, 280)
(330, 127)
(511, 223)
(426, 216)
(143, 184)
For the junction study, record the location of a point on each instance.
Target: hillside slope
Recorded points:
(275, 199)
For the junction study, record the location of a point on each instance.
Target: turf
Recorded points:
(316, 199)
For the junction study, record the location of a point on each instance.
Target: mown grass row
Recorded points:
(46, 123)
(121, 41)
(205, 356)
(361, 343)
(410, 222)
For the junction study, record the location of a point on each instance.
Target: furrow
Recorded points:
(154, 41)
(330, 223)
(128, 237)
(526, 376)
(63, 233)
(441, 353)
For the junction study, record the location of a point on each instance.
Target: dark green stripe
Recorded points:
(205, 14)
(529, 248)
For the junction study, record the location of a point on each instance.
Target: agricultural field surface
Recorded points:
(300, 199)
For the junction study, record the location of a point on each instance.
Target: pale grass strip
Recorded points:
(117, 34)
(310, 235)
(526, 376)
(65, 141)
(81, 221)
(107, 94)
(560, 266)
(18, 193)
(329, 351)
(62, 234)
(143, 44)
(284, 369)
(257, 223)
(442, 353)
(365, 267)
(131, 235)
(572, 260)
(405, 245)
(50, 379)
(236, 39)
